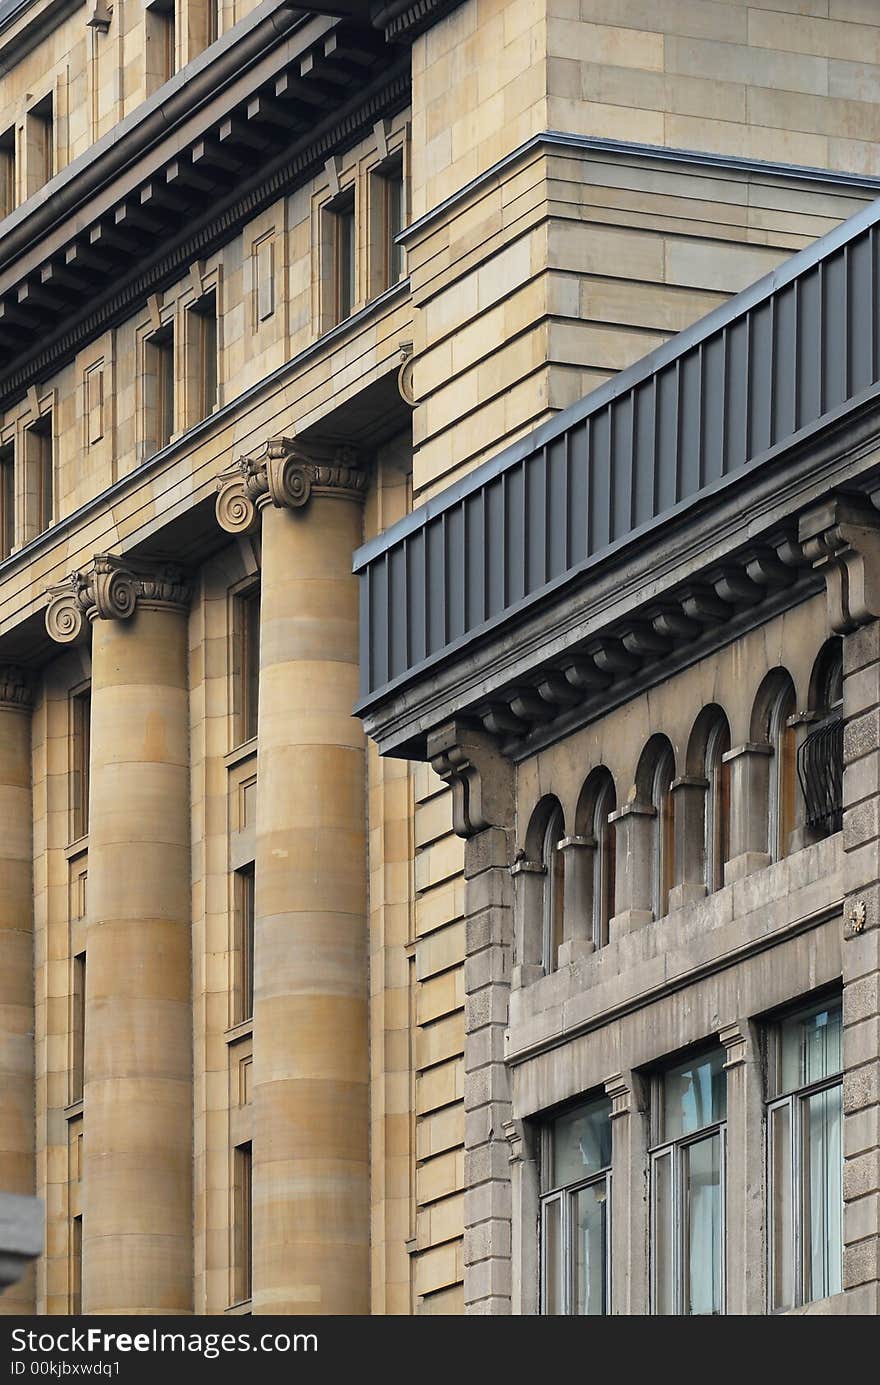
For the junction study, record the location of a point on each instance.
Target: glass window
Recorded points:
(554, 889)
(687, 1187)
(7, 500)
(575, 1190)
(664, 841)
(603, 863)
(783, 782)
(717, 843)
(344, 253)
(805, 1156)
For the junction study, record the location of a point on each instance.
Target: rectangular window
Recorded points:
(805, 1155)
(247, 638)
(7, 171)
(243, 1234)
(202, 324)
(264, 279)
(344, 255)
(76, 1260)
(244, 913)
(7, 500)
(41, 471)
(159, 389)
(93, 389)
(40, 127)
(575, 1194)
(80, 730)
(687, 1187)
(78, 1027)
(390, 191)
(159, 42)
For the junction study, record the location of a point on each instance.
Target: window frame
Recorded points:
(604, 862)
(716, 843)
(553, 894)
(676, 1151)
(663, 803)
(795, 1100)
(782, 806)
(565, 1195)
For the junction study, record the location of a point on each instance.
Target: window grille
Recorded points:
(820, 771)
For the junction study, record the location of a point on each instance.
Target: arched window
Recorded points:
(783, 780)
(717, 819)
(820, 754)
(664, 829)
(603, 860)
(554, 889)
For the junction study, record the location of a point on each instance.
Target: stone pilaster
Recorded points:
(578, 863)
(842, 538)
(483, 810)
(749, 787)
(137, 1105)
(311, 1052)
(17, 953)
(745, 1199)
(689, 796)
(630, 1294)
(634, 846)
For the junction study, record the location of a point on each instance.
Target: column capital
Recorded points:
(112, 588)
(841, 538)
(285, 472)
(15, 689)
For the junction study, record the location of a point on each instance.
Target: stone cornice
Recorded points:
(112, 588)
(15, 690)
(285, 473)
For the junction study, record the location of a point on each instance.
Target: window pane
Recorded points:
(590, 1221)
(581, 1143)
(704, 1236)
(781, 1210)
(822, 1194)
(694, 1095)
(662, 1231)
(551, 1254)
(811, 1046)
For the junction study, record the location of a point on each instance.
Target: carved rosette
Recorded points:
(111, 589)
(285, 474)
(15, 690)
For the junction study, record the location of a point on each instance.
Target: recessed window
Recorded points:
(243, 1224)
(717, 821)
(39, 452)
(159, 39)
(783, 781)
(603, 861)
(388, 217)
(202, 352)
(344, 264)
(7, 171)
(689, 1110)
(805, 1155)
(664, 831)
(7, 500)
(247, 662)
(244, 927)
(76, 1263)
(80, 735)
(554, 889)
(40, 132)
(575, 1193)
(264, 279)
(158, 389)
(77, 1027)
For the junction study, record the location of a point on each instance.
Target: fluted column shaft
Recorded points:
(17, 954)
(310, 1150)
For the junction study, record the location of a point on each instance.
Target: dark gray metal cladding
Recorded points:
(731, 393)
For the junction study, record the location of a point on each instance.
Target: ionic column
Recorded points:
(137, 1109)
(311, 1059)
(17, 954)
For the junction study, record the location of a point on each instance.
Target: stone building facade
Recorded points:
(338, 925)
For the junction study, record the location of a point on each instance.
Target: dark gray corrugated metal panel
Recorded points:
(723, 395)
